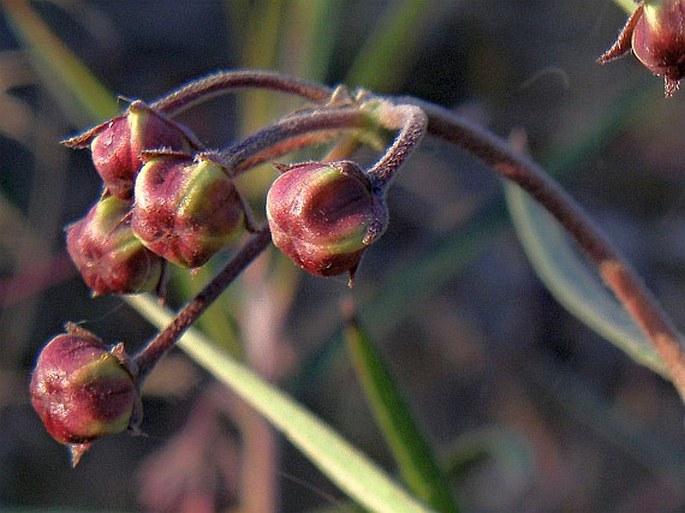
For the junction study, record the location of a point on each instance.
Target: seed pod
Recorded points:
(117, 146)
(108, 255)
(659, 40)
(185, 210)
(324, 215)
(656, 34)
(83, 390)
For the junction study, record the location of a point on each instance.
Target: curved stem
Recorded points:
(224, 81)
(272, 139)
(617, 274)
(292, 126)
(146, 358)
(412, 122)
(286, 146)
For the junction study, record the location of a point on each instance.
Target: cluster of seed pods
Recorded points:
(163, 202)
(168, 201)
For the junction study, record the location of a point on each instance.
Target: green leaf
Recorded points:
(572, 282)
(344, 465)
(309, 37)
(410, 449)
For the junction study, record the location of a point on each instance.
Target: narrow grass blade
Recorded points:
(344, 465)
(410, 449)
(84, 100)
(263, 32)
(572, 282)
(309, 37)
(381, 63)
(627, 5)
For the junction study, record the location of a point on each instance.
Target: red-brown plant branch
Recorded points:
(617, 274)
(203, 89)
(411, 122)
(294, 129)
(323, 120)
(285, 147)
(148, 355)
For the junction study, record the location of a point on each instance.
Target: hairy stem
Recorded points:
(411, 121)
(224, 81)
(287, 146)
(295, 129)
(146, 358)
(292, 126)
(617, 274)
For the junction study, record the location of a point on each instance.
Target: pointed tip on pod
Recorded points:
(118, 145)
(655, 33)
(83, 390)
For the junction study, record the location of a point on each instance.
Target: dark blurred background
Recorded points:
(531, 410)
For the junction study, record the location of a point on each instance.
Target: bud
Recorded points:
(185, 210)
(323, 215)
(83, 390)
(656, 34)
(108, 255)
(117, 146)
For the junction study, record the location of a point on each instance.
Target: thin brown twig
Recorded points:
(147, 356)
(411, 122)
(222, 82)
(324, 120)
(617, 274)
(285, 147)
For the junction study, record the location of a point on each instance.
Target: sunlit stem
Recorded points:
(269, 139)
(146, 358)
(324, 120)
(411, 122)
(617, 274)
(223, 82)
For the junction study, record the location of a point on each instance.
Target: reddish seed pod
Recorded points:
(108, 255)
(83, 390)
(659, 40)
(324, 215)
(186, 209)
(656, 34)
(117, 146)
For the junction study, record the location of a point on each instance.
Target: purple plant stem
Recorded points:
(225, 81)
(292, 126)
(264, 311)
(288, 129)
(411, 121)
(287, 146)
(617, 274)
(146, 358)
